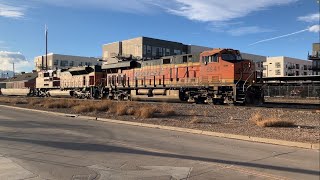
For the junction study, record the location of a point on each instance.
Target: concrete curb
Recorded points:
(192, 131)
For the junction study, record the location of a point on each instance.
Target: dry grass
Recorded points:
(19, 101)
(35, 102)
(60, 104)
(131, 111)
(195, 120)
(103, 106)
(121, 109)
(13, 100)
(271, 122)
(259, 120)
(87, 106)
(257, 117)
(145, 112)
(167, 111)
(83, 108)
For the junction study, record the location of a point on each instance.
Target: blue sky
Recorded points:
(81, 27)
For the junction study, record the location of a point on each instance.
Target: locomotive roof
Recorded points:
(23, 77)
(218, 50)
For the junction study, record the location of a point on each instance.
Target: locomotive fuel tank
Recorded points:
(157, 95)
(60, 93)
(15, 92)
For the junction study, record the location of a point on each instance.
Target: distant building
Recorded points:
(315, 58)
(146, 48)
(257, 59)
(286, 66)
(22, 81)
(59, 61)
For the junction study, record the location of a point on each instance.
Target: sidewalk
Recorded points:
(9, 170)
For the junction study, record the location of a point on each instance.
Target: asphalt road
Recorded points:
(40, 146)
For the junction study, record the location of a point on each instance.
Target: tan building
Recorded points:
(286, 66)
(315, 58)
(59, 61)
(146, 48)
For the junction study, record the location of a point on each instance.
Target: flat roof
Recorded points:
(146, 38)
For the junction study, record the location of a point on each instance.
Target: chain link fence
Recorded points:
(305, 91)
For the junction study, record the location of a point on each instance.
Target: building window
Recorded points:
(63, 63)
(168, 52)
(278, 65)
(71, 63)
(56, 62)
(176, 52)
(154, 51)
(144, 49)
(149, 49)
(278, 72)
(297, 66)
(160, 52)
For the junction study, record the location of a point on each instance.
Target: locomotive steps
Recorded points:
(201, 129)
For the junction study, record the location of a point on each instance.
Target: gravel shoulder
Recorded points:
(221, 118)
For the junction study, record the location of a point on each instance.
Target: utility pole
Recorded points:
(46, 34)
(13, 69)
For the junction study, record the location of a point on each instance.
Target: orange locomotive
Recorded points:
(217, 76)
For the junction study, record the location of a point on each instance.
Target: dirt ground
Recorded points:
(217, 118)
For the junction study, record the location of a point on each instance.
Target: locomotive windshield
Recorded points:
(231, 57)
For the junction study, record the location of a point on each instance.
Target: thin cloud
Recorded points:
(315, 28)
(248, 30)
(198, 10)
(310, 18)
(9, 11)
(217, 10)
(129, 6)
(20, 62)
(3, 45)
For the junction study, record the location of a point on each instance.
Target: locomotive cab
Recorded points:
(234, 76)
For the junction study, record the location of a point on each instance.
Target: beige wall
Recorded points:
(133, 47)
(111, 50)
(286, 66)
(58, 61)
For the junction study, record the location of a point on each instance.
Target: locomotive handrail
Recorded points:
(247, 80)
(239, 78)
